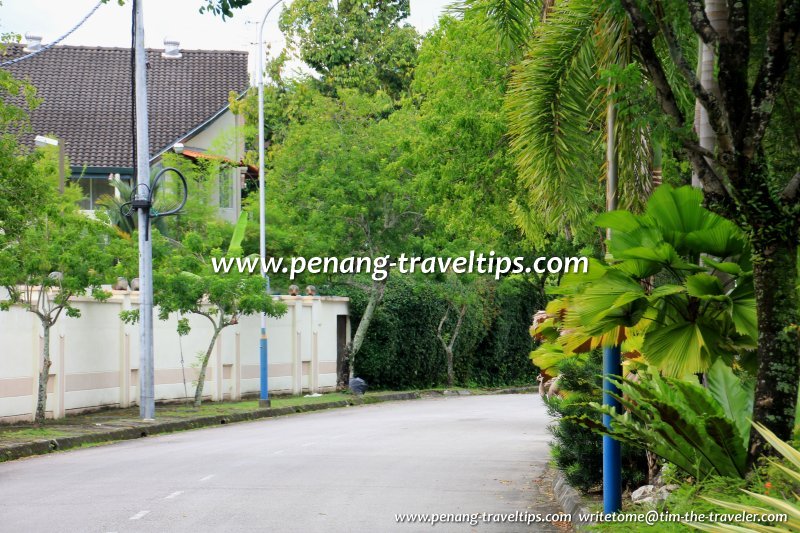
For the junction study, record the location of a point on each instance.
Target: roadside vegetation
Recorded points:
(501, 129)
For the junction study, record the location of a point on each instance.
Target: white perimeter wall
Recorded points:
(96, 357)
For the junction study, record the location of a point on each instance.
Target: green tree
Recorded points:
(354, 44)
(755, 58)
(459, 297)
(52, 260)
(579, 108)
(19, 178)
(340, 188)
(185, 282)
(751, 174)
(460, 154)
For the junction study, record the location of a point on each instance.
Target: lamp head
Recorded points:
(41, 141)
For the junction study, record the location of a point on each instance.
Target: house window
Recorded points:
(226, 175)
(93, 188)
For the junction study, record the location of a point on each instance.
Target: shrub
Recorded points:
(401, 350)
(502, 357)
(578, 451)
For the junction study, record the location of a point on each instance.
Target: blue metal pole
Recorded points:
(263, 400)
(612, 466)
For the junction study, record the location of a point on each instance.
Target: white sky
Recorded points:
(178, 19)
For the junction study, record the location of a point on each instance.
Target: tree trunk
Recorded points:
(375, 295)
(44, 374)
(451, 375)
(201, 379)
(612, 158)
(717, 13)
(652, 467)
(774, 276)
(448, 347)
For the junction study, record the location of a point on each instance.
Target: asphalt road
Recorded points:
(347, 469)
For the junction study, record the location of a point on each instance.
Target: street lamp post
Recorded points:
(147, 409)
(263, 400)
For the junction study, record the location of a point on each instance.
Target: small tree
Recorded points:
(459, 297)
(185, 282)
(54, 260)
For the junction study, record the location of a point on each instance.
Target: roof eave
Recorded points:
(197, 129)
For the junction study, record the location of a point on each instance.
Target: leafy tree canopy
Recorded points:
(463, 167)
(338, 186)
(354, 44)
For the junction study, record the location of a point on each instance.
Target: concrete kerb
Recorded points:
(143, 429)
(570, 500)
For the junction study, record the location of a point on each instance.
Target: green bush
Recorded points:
(578, 451)
(502, 357)
(401, 350)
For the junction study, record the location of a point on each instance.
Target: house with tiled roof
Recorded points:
(86, 105)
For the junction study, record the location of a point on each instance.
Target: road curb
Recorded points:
(144, 429)
(570, 500)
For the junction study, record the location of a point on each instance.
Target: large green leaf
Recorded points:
(727, 267)
(677, 210)
(722, 239)
(735, 399)
(705, 287)
(619, 220)
(743, 308)
(611, 301)
(639, 236)
(666, 290)
(680, 349)
(547, 356)
(691, 228)
(639, 268)
(235, 247)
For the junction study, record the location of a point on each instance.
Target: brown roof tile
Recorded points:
(86, 94)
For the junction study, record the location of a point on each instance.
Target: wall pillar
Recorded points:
(219, 376)
(59, 409)
(297, 351)
(125, 399)
(124, 356)
(236, 373)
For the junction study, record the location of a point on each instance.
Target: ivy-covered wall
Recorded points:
(402, 351)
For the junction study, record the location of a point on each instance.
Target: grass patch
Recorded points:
(293, 401)
(224, 408)
(27, 434)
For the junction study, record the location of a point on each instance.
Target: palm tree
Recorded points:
(114, 206)
(557, 132)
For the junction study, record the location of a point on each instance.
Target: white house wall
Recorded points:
(96, 357)
(223, 136)
(227, 125)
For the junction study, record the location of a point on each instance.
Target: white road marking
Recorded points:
(174, 494)
(279, 452)
(308, 444)
(207, 477)
(139, 515)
